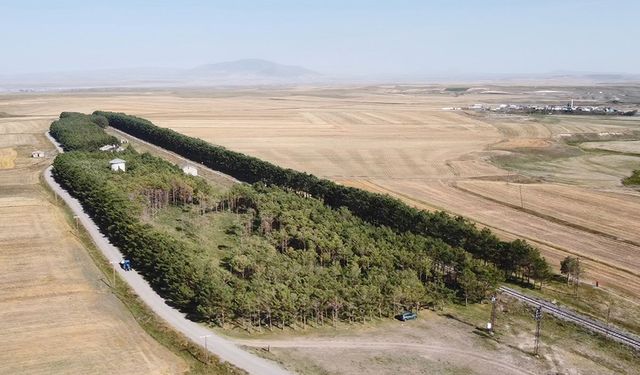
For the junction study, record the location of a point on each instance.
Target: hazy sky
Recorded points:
(332, 37)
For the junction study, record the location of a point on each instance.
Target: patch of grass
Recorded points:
(456, 89)
(633, 180)
(515, 327)
(212, 231)
(544, 119)
(342, 329)
(291, 362)
(578, 138)
(591, 301)
(198, 361)
(531, 158)
(219, 185)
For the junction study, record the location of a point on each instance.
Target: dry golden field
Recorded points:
(446, 342)
(57, 314)
(400, 141)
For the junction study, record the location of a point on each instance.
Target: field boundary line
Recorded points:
(414, 200)
(561, 222)
(546, 216)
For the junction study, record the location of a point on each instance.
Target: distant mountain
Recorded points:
(258, 72)
(244, 72)
(252, 67)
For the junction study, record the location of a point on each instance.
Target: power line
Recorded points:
(206, 347)
(577, 275)
(538, 317)
(608, 317)
(492, 324)
(521, 200)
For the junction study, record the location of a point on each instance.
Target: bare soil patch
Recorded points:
(445, 343)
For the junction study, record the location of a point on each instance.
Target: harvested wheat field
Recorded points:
(57, 314)
(400, 141)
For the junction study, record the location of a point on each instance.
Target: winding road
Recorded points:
(223, 348)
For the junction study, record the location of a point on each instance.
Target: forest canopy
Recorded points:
(270, 253)
(515, 259)
(79, 132)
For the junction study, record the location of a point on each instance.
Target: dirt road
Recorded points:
(57, 315)
(226, 350)
(452, 354)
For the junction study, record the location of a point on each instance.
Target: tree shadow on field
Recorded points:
(457, 319)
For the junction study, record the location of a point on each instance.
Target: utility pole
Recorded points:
(492, 323)
(538, 317)
(113, 266)
(521, 200)
(577, 281)
(206, 348)
(608, 317)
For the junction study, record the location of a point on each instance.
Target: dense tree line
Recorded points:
(80, 132)
(342, 267)
(169, 265)
(295, 261)
(516, 258)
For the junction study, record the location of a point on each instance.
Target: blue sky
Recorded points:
(333, 37)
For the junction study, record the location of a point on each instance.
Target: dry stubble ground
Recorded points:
(57, 314)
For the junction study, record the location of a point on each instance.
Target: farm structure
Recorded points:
(117, 165)
(190, 170)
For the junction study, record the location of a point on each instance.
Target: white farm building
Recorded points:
(117, 165)
(190, 170)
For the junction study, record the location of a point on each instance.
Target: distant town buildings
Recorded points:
(117, 165)
(569, 108)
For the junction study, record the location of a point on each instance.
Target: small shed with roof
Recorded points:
(190, 169)
(117, 165)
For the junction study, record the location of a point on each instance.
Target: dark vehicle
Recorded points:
(125, 264)
(407, 315)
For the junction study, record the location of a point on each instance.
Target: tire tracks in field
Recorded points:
(355, 344)
(559, 221)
